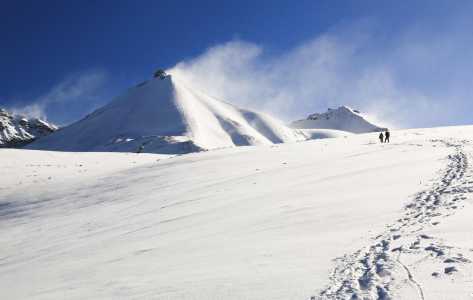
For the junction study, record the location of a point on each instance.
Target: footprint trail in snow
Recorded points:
(385, 269)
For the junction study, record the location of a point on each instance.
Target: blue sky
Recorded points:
(406, 62)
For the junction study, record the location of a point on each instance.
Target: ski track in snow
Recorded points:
(377, 271)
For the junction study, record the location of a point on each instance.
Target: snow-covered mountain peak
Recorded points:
(342, 118)
(340, 112)
(165, 115)
(18, 130)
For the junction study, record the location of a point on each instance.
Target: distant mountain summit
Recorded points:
(164, 115)
(17, 130)
(342, 118)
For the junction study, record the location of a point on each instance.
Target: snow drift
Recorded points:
(163, 115)
(18, 130)
(342, 118)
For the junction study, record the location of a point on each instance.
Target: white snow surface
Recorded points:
(343, 118)
(243, 223)
(166, 116)
(313, 134)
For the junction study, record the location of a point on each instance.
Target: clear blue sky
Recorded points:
(46, 42)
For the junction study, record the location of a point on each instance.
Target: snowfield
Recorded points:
(342, 218)
(313, 134)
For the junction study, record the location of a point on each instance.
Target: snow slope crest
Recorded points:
(342, 118)
(18, 130)
(164, 115)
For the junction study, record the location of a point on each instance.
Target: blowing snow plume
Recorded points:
(318, 74)
(164, 115)
(404, 81)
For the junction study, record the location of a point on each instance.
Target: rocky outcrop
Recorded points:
(17, 130)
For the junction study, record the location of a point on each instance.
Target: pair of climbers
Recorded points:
(384, 138)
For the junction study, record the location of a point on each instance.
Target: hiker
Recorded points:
(381, 137)
(386, 136)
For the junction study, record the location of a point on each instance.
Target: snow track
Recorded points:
(380, 271)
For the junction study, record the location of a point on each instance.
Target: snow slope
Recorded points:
(165, 116)
(313, 134)
(17, 130)
(244, 223)
(342, 118)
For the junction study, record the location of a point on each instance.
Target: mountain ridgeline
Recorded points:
(342, 119)
(164, 115)
(18, 130)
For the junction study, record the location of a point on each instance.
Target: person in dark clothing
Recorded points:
(381, 137)
(386, 136)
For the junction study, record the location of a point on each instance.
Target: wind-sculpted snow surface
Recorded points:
(388, 268)
(263, 222)
(166, 116)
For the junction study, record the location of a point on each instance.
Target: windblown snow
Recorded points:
(342, 119)
(166, 116)
(345, 218)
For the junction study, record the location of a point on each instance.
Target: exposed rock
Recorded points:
(17, 130)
